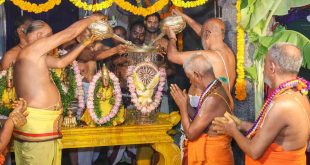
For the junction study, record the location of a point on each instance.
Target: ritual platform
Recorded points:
(127, 134)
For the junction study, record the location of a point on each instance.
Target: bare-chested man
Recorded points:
(280, 134)
(34, 84)
(220, 55)
(204, 146)
(151, 23)
(11, 55)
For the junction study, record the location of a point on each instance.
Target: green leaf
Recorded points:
(251, 73)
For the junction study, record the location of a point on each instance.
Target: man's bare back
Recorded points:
(220, 55)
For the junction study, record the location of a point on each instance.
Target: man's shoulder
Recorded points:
(284, 103)
(12, 51)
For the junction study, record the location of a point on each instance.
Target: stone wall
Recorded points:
(243, 109)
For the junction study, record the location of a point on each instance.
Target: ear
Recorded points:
(197, 76)
(39, 34)
(273, 67)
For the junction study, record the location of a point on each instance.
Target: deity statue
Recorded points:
(106, 101)
(9, 95)
(70, 119)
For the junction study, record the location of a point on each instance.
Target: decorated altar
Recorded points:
(129, 133)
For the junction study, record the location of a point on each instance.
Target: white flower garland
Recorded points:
(158, 96)
(79, 90)
(117, 95)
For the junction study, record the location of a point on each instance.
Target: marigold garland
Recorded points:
(188, 4)
(1, 1)
(240, 82)
(157, 6)
(36, 8)
(92, 7)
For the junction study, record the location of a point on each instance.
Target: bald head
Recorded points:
(215, 25)
(286, 56)
(198, 63)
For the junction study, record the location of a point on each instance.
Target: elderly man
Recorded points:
(220, 55)
(37, 142)
(281, 132)
(204, 146)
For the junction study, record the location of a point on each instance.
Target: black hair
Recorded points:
(137, 23)
(21, 20)
(154, 14)
(121, 28)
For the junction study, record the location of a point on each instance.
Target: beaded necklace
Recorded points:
(300, 84)
(209, 89)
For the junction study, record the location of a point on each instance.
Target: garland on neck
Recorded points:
(209, 90)
(299, 84)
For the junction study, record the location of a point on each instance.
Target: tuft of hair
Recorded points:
(35, 25)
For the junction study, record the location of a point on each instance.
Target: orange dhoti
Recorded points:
(208, 150)
(275, 155)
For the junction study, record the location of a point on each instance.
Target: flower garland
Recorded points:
(1, 1)
(79, 89)
(240, 81)
(300, 84)
(92, 7)
(4, 112)
(158, 95)
(188, 4)
(36, 8)
(93, 102)
(66, 97)
(157, 6)
(210, 88)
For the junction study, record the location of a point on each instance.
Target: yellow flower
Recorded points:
(157, 6)
(240, 82)
(92, 7)
(188, 4)
(35, 8)
(1, 1)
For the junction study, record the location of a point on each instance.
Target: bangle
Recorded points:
(172, 39)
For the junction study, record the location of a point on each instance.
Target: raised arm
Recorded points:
(191, 22)
(54, 62)
(46, 44)
(174, 55)
(120, 49)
